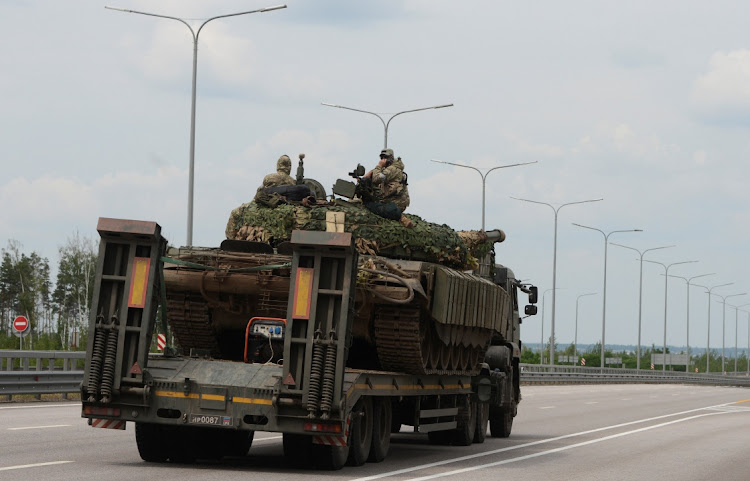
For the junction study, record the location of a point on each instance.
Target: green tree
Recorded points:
(74, 287)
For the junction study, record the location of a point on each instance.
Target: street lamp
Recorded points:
(736, 353)
(575, 338)
(386, 123)
(483, 175)
(541, 346)
(195, 34)
(687, 321)
(604, 292)
(554, 265)
(666, 278)
(723, 322)
(640, 294)
(708, 335)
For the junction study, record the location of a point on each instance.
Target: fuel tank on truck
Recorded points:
(419, 307)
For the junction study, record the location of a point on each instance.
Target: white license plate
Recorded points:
(210, 420)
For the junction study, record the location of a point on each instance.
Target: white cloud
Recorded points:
(722, 94)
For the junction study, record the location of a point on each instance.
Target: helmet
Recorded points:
(284, 164)
(387, 152)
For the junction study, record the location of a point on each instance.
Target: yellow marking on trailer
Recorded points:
(176, 394)
(250, 400)
(213, 397)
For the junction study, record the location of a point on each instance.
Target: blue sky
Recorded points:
(644, 104)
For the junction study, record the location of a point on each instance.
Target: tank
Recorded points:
(421, 306)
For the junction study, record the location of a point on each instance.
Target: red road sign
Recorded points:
(161, 341)
(20, 324)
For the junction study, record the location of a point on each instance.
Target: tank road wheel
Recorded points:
(360, 434)
(152, 442)
(483, 418)
(463, 435)
(298, 450)
(382, 419)
(331, 458)
(501, 422)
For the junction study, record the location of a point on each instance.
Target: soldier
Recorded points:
(281, 176)
(390, 183)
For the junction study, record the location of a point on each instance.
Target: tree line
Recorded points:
(57, 312)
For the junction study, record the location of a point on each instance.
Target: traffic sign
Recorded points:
(21, 326)
(583, 361)
(161, 341)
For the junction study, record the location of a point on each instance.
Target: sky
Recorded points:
(643, 104)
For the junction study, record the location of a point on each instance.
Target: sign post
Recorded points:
(21, 327)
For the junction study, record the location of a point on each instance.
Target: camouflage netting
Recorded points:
(373, 235)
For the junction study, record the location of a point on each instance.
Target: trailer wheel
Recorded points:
(501, 422)
(440, 437)
(237, 443)
(463, 435)
(483, 418)
(298, 449)
(382, 419)
(360, 434)
(151, 442)
(330, 458)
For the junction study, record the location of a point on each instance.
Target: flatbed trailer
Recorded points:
(190, 406)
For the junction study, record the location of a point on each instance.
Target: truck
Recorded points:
(308, 337)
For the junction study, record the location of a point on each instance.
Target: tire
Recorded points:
(360, 434)
(237, 443)
(483, 418)
(329, 458)
(298, 450)
(501, 422)
(382, 420)
(440, 438)
(151, 442)
(184, 444)
(463, 435)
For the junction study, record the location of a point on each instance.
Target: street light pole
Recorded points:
(483, 175)
(575, 338)
(541, 346)
(554, 266)
(640, 294)
(723, 323)
(195, 34)
(604, 291)
(736, 323)
(386, 123)
(666, 279)
(708, 334)
(687, 320)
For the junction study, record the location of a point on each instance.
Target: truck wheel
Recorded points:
(360, 434)
(463, 435)
(151, 441)
(381, 429)
(441, 438)
(483, 417)
(298, 449)
(183, 445)
(501, 422)
(330, 458)
(237, 443)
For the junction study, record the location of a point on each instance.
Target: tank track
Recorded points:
(190, 321)
(406, 342)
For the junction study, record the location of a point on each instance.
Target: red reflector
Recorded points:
(323, 428)
(97, 411)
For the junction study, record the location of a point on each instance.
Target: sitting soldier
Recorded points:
(390, 185)
(281, 176)
(280, 187)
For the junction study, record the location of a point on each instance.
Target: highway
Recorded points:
(575, 432)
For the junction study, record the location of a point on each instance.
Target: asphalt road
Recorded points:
(605, 432)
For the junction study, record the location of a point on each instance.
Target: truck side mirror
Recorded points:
(533, 294)
(530, 310)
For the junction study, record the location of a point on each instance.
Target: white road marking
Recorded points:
(40, 427)
(547, 407)
(534, 443)
(593, 402)
(22, 466)
(269, 438)
(36, 406)
(557, 450)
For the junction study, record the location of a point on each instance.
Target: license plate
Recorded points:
(210, 419)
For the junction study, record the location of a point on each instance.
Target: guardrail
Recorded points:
(561, 374)
(40, 372)
(53, 372)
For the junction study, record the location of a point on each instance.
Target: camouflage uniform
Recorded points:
(281, 176)
(390, 182)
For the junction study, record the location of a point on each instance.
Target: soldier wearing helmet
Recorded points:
(390, 182)
(281, 176)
